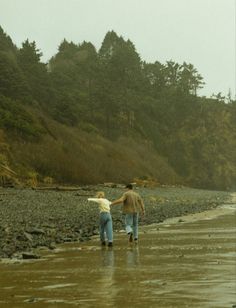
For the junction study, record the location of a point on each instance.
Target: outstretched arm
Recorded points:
(97, 200)
(118, 201)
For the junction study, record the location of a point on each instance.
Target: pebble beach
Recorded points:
(32, 218)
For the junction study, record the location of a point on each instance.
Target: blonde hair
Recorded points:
(100, 194)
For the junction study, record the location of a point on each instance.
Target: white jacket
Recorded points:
(104, 204)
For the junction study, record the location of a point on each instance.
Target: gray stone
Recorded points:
(28, 236)
(30, 255)
(36, 231)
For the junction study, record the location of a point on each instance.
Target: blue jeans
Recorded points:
(131, 224)
(106, 226)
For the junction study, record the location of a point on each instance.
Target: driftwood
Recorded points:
(7, 176)
(5, 170)
(57, 188)
(85, 194)
(81, 191)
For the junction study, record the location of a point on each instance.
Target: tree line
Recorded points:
(112, 92)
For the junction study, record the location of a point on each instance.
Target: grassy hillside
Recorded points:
(71, 155)
(91, 116)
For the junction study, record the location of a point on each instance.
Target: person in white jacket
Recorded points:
(105, 220)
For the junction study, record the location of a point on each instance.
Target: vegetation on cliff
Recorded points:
(92, 115)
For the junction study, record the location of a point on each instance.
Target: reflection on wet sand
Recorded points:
(107, 257)
(180, 265)
(132, 256)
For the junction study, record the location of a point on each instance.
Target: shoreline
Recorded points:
(30, 220)
(221, 210)
(175, 264)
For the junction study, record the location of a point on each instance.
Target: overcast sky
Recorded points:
(201, 32)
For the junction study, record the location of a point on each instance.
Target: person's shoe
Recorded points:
(110, 244)
(103, 243)
(136, 241)
(130, 237)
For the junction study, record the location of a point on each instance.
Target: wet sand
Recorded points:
(186, 261)
(30, 219)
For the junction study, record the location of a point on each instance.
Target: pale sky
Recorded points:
(201, 32)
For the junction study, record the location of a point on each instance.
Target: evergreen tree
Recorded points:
(6, 44)
(113, 93)
(28, 58)
(12, 81)
(190, 79)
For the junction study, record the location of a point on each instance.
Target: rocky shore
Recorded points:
(44, 218)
